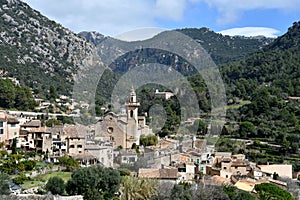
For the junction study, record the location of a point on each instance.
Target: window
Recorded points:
(12, 125)
(131, 159)
(224, 168)
(131, 113)
(226, 176)
(236, 167)
(1, 124)
(110, 130)
(1, 131)
(15, 133)
(79, 146)
(72, 146)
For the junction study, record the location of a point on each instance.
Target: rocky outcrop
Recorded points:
(36, 50)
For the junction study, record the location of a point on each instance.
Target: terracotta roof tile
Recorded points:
(169, 173)
(159, 173)
(32, 123)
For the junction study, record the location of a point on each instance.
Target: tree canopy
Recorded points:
(95, 182)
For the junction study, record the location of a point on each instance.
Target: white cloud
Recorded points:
(139, 34)
(230, 10)
(109, 16)
(170, 9)
(251, 31)
(105, 16)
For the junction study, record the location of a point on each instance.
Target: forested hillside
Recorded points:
(271, 81)
(37, 51)
(277, 66)
(223, 48)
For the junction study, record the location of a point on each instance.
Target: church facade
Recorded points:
(122, 129)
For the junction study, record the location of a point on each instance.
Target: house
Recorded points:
(165, 174)
(226, 167)
(193, 144)
(187, 171)
(59, 144)
(75, 138)
(223, 154)
(283, 170)
(217, 180)
(31, 124)
(245, 185)
(255, 172)
(163, 95)
(40, 139)
(127, 157)
(9, 128)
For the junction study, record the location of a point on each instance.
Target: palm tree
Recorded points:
(134, 188)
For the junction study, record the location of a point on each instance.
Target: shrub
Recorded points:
(56, 185)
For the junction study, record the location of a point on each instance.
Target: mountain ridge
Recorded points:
(38, 51)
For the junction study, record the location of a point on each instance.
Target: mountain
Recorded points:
(270, 79)
(223, 48)
(37, 51)
(277, 65)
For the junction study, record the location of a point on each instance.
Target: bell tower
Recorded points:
(132, 119)
(132, 106)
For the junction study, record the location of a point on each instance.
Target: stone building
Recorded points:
(122, 129)
(9, 128)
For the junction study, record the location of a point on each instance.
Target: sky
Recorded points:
(270, 18)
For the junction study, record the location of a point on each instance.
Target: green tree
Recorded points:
(52, 93)
(52, 122)
(124, 172)
(243, 195)
(180, 193)
(20, 179)
(4, 183)
(55, 185)
(209, 192)
(29, 164)
(285, 145)
(24, 99)
(70, 163)
(269, 191)
(148, 140)
(14, 146)
(247, 129)
(102, 182)
(202, 127)
(7, 93)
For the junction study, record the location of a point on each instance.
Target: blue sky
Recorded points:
(232, 17)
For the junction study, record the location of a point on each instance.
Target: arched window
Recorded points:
(131, 113)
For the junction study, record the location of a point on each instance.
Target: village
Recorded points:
(114, 141)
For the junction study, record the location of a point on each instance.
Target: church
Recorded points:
(123, 129)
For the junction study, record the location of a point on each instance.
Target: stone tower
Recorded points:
(132, 119)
